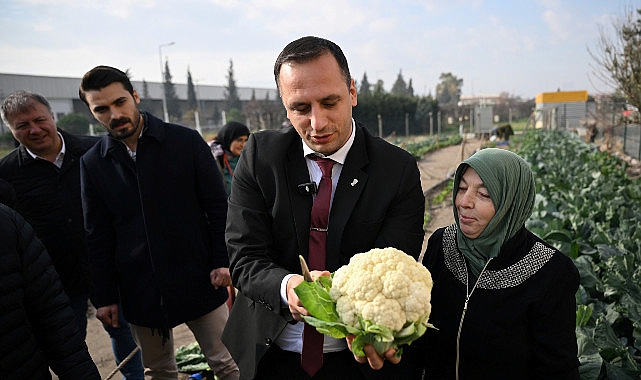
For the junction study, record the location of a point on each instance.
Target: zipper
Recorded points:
(468, 294)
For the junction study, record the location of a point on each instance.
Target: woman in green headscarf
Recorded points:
(503, 299)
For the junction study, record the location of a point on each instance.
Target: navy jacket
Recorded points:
(155, 227)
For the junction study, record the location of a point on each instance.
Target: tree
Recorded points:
(145, 99)
(173, 104)
(427, 107)
(192, 102)
(448, 90)
(619, 56)
(410, 88)
(379, 90)
(400, 87)
(74, 123)
(365, 87)
(231, 92)
(145, 89)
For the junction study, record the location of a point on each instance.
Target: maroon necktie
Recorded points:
(312, 355)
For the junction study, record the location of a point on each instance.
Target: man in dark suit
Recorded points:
(154, 207)
(377, 202)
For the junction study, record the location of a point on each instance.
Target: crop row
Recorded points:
(588, 208)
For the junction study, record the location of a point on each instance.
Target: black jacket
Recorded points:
(156, 226)
(520, 319)
(37, 328)
(48, 197)
(7, 194)
(378, 203)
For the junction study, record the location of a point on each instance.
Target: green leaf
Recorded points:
(336, 330)
(316, 299)
(583, 314)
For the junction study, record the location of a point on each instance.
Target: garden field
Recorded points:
(589, 209)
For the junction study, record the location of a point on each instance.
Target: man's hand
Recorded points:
(108, 315)
(295, 306)
(220, 277)
(372, 357)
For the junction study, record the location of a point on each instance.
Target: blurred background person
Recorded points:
(227, 147)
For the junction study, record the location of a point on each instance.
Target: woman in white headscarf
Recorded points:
(503, 299)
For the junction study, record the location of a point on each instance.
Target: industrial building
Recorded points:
(62, 93)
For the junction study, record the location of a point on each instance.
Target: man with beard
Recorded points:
(154, 210)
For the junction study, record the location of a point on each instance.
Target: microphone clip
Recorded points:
(308, 188)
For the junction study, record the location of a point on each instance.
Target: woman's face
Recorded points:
(474, 205)
(237, 145)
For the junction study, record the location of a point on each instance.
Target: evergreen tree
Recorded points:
(145, 101)
(365, 88)
(231, 92)
(410, 88)
(400, 87)
(379, 90)
(426, 107)
(192, 101)
(173, 105)
(145, 89)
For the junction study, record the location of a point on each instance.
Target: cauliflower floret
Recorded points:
(385, 286)
(385, 312)
(417, 304)
(346, 308)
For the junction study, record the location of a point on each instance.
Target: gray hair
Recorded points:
(20, 102)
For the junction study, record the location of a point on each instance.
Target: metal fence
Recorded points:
(630, 137)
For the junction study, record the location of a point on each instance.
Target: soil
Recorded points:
(435, 168)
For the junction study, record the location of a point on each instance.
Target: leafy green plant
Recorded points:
(588, 208)
(420, 147)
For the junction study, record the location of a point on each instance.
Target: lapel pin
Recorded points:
(354, 182)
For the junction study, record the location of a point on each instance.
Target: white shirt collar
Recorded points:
(59, 157)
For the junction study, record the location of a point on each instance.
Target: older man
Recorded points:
(45, 174)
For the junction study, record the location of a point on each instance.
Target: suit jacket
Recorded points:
(378, 202)
(48, 197)
(155, 226)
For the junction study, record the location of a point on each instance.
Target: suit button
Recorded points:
(268, 341)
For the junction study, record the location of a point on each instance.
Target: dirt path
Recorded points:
(435, 167)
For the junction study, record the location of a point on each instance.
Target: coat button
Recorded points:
(268, 341)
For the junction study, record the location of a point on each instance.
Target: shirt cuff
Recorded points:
(283, 288)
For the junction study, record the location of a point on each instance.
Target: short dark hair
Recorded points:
(102, 76)
(308, 48)
(20, 102)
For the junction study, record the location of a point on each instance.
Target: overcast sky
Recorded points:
(514, 46)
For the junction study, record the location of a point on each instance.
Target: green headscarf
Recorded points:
(510, 183)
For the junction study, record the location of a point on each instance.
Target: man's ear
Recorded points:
(136, 97)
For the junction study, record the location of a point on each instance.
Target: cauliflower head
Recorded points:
(385, 286)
